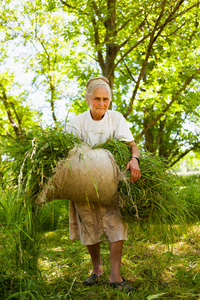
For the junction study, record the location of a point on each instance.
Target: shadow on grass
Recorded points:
(157, 270)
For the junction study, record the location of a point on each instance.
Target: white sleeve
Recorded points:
(74, 128)
(122, 131)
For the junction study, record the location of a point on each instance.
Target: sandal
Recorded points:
(122, 286)
(91, 280)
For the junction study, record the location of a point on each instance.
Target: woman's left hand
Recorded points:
(134, 169)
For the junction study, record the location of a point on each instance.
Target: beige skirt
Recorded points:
(92, 222)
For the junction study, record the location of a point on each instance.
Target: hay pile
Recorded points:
(31, 163)
(153, 198)
(34, 158)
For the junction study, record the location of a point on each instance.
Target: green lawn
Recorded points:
(152, 267)
(155, 269)
(158, 264)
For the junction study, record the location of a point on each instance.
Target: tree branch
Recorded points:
(131, 34)
(129, 72)
(151, 42)
(97, 44)
(8, 133)
(11, 119)
(74, 8)
(153, 38)
(97, 11)
(128, 21)
(131, 49)
(189, 8)
(167, 107)
(177, 29)
(16, 114)
(180, 156)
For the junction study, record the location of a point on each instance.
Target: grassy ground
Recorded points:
(156, 268)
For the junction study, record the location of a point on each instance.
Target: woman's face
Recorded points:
(99, 102)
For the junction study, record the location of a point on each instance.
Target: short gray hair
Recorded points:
(96, 82)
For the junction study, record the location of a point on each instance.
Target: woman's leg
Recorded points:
(115, 261)
(94, 251)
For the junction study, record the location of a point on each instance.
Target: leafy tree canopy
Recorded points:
(149, 51)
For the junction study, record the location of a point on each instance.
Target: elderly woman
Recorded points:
(90, 223)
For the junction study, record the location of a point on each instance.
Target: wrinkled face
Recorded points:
(99, 102)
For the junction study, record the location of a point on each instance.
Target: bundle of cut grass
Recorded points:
(155, 196)
(31, 161)
(35, 157)
(85, 175)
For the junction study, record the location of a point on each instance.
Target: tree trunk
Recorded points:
(15, 126)
(111, 48)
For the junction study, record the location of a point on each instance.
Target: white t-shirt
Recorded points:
(113, 125)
